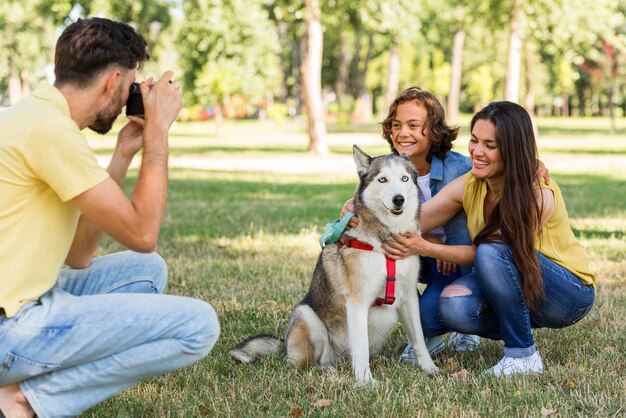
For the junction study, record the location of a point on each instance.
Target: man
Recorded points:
(72, 337)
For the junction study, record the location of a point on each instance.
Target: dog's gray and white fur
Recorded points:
(337, 319)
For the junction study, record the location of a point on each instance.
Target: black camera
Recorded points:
(134, 104)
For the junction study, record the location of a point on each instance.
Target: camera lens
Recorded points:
(134, 104)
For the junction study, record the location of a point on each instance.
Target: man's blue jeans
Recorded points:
(495, 308)
(99, 331)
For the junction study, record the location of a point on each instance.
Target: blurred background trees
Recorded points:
(257, 58)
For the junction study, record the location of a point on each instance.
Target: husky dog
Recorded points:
(338, 318)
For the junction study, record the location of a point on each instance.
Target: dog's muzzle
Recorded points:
(398, 203)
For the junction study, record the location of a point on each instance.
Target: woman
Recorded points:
(415, 125)
(529, 269)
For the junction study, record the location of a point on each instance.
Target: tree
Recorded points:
(552, 28)
(312, 78)
(25, 46)
(149, 17)
(227, 47)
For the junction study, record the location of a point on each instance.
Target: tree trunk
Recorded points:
(219, 118)
(15, 89)
(529, 99)
(25, 83)
(363, 107)
(312, 78)
(512, 82)
(393, 79)
(360, 87)
(283, 94)
(343, 73)
(565, 108)
(612, 94)
(457, 67)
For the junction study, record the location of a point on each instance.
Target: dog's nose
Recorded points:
(398, 200)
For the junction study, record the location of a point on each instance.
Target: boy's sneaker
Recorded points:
(463, 343)
(508, 366)
(433, 344)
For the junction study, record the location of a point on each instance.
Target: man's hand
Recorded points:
(162, 101)
(130, 137)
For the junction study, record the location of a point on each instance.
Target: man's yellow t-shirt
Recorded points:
(557, 241)
(45, 162)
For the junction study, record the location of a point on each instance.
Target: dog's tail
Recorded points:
(255, 347)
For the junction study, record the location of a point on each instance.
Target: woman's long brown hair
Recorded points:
(516, 217)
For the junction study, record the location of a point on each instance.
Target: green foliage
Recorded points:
(24, 39)
(148, 17)
(253, 48)
(227, 47)
(278, 112)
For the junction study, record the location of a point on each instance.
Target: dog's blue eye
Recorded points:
(382, 180)
(405, 178)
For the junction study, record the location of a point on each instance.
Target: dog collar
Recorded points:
(390, 288)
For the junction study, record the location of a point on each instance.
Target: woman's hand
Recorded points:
(349, 207)
(404, 245)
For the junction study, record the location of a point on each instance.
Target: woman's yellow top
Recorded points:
(557, 241)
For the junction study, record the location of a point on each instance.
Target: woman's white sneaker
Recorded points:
(508, 366)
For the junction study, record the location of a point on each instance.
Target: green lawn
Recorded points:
(247, 243)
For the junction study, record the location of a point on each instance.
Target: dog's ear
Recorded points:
(361, 159)
(405, 156)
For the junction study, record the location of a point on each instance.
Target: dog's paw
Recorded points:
(367, 384)
(326, 368)
(430, 369)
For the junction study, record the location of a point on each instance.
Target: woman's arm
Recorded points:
(411, 243)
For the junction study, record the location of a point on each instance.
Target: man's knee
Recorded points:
(152, 266)
(160, 270)
(205, 329)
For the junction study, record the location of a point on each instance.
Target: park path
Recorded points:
(343, 164)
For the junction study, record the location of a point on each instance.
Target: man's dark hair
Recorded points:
(89, 46)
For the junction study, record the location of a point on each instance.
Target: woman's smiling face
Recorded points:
(484, 152)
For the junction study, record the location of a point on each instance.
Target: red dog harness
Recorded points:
(390, 288)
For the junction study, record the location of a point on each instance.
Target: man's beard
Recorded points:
(106, 117)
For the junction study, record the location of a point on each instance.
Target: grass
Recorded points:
(247, 243)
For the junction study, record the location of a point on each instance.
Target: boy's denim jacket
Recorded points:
(441, 173)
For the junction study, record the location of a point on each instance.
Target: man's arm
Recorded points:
(88, 234)
(133, 222)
